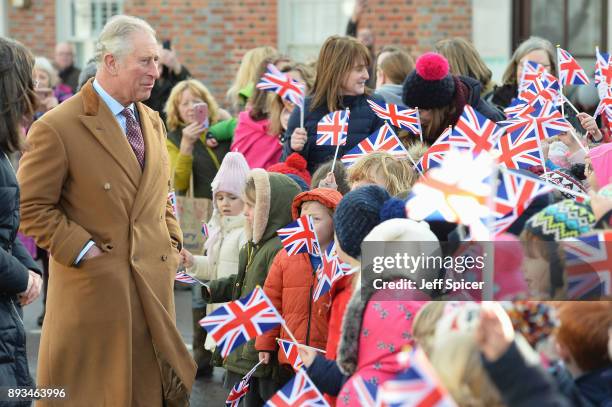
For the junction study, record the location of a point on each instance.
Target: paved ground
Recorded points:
(206, 392)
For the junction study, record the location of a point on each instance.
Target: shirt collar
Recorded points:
(115, 107)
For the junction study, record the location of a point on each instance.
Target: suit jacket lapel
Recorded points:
(100, 121)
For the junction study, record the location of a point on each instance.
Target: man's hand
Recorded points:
(495, 332)
(329, 181)
(186, 258)
(33, 290)
(168, 57)
(264, 357)
(94, 251)
(588, 123)
(358, 10)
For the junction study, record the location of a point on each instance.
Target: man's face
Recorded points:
(138, 70)
(63, 56)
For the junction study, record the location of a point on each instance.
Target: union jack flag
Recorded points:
(531, 71)
(603, 72)
(383, 139)
(518, 108)
(605, 105)
(300, 237)
(515, 192)
(299, 391)
(519, 150)
(366, 392)
(477, 132)
(286, 87)
(399, 116)
(455, 192)
(545, 122)
(290, 350)
(332, 129)
(239, 321)
(544, 88)
(588, 265)
(185, 278)
(435, 154)
(240, 389)
(330, 271)
(418, 385)
(570, 73)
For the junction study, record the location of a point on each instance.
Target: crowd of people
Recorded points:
(90, 161)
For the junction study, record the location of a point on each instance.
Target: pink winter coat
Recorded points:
(386, 328)
(252, 139)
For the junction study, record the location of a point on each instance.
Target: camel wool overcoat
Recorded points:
(109, 336)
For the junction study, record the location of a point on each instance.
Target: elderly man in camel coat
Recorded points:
(95, 183)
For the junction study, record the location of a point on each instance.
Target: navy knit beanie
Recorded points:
(430, 85)
(356, 215)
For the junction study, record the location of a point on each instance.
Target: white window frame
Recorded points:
(83, 40)
(306, 51)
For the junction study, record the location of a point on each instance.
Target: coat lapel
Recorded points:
(100, 121)
(149, 124)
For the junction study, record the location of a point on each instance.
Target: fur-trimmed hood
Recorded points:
(274, 195)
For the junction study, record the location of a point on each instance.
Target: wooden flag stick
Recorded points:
(302, 113)
(284, 324)
(570, 104)
(416, 167)
(335, 158)
(301, 345)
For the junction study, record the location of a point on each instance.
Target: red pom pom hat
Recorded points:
(430, 85)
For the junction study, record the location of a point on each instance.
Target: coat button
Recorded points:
(164, 257)
(237, 284)
(107, 186)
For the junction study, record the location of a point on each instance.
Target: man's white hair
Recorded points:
(115, 36)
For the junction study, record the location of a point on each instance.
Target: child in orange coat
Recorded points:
(291, 281)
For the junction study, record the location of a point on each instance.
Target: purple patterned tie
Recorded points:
(134, 135)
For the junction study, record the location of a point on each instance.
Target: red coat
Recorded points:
(290, 283)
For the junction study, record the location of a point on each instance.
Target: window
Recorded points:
(576, 25)
(80, 22)
(303, 25)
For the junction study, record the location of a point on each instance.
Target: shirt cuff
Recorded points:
(85, 249)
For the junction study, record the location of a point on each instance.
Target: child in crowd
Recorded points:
(582, 343)
(381, 168)
(377, 322)
(246, 77)
(267, 207)
(292, 280)
(226, 234)
(441, 96)
(252, 136)
(341, 74)
(543, 268)
(323, 178)
(356, 215)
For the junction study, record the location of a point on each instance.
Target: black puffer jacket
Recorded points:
(14, 264)
(485, 108)
(362, 123)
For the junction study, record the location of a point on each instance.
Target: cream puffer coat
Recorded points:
(222, 259)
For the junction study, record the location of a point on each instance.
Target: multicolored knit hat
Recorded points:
(564, 219)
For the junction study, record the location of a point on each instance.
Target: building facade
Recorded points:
(210, 36)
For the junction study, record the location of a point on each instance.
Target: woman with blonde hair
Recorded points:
(244, 84)
(465, 60)
(534, 49)
(340, 83)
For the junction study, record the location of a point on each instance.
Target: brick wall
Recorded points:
(210, 36)
(34, 26)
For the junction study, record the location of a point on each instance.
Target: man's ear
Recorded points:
(111, 64)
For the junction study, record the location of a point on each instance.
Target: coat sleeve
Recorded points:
(534, 389)
(273, 287)
(13, 274)
(326, 375)
(220, 290)
(24, 257)
(41, 174)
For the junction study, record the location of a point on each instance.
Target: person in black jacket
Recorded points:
(441, 96)
(20, 280)
(340, 84)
